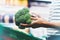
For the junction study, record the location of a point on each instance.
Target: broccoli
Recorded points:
(22, 16)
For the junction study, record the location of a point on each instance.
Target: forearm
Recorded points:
(52, 24)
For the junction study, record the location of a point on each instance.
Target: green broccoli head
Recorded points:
(22, 16)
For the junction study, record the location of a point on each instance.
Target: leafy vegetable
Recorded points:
(22, 16)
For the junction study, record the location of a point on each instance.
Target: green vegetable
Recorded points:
(22, 16)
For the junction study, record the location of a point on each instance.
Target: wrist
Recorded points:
(46, 22)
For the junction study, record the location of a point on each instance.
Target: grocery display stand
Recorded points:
(8, 33)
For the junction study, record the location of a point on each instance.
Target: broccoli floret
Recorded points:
(22, 16)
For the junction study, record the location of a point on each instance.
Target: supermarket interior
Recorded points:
(42, 8)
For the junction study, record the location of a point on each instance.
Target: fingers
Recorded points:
(24, 24)
(34, 14)
(33, 18)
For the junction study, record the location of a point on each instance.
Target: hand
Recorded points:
(36, 22)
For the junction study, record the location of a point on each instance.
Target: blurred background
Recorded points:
(8, 8)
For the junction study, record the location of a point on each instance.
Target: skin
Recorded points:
(39, 22)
